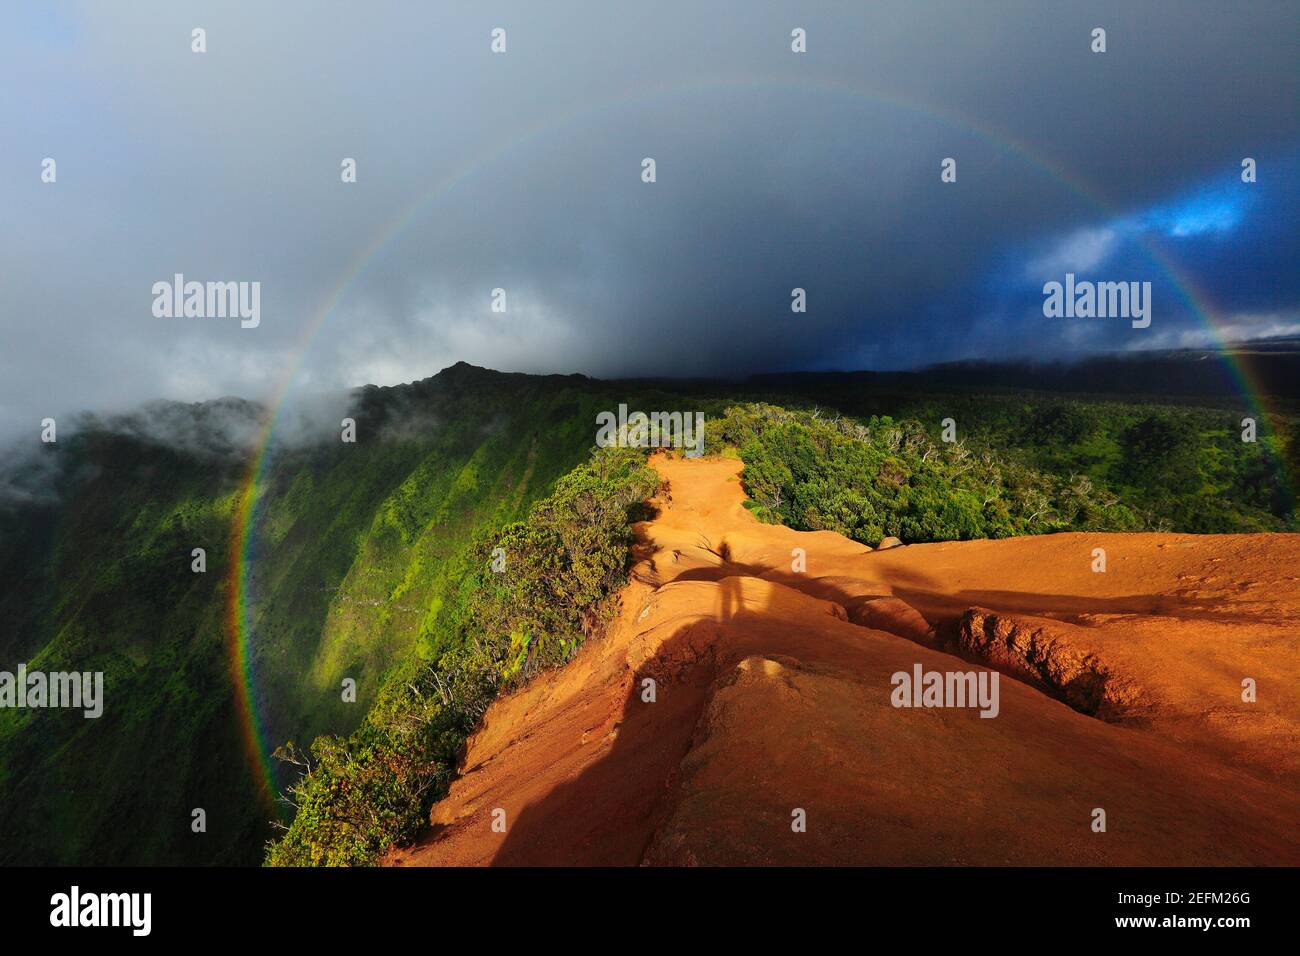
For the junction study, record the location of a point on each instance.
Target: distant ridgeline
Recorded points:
(1272, 367)
(467, 538)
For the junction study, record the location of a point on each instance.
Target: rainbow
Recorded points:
(239, 602)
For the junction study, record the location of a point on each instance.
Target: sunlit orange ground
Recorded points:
(770, 698)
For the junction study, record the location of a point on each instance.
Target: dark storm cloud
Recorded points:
(521, 171)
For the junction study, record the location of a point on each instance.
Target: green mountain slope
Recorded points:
(367, 562)
(357, 559)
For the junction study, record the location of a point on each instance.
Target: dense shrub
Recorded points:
(560, 564)
(868, 480)
(1175, 465)
(358, 796)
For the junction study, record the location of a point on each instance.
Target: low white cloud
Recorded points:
(1240, 327)
(1081, 251)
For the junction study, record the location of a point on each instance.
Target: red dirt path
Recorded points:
(772, 696)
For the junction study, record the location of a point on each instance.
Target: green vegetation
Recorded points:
(1016, 468)
(559, 569)
(104, 584)
(359, 566)
(1176, 467)
(869, 480)
(372, 562)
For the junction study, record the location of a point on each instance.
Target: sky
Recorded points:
(523, 171)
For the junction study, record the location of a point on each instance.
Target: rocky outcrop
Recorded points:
(1044, 653)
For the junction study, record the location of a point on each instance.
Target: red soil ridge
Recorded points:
(1119, 690)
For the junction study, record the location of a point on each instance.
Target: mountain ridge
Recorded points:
(770, 701)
